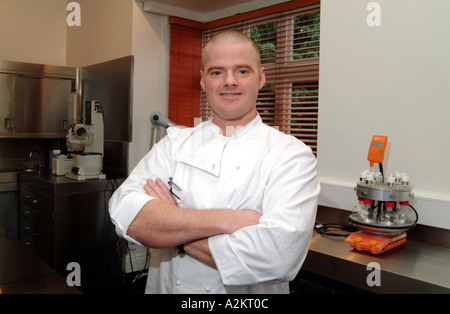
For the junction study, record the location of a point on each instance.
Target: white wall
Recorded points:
(33, 31)
(150, 47)
(389, 80)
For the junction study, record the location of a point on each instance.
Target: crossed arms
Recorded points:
(161, 223)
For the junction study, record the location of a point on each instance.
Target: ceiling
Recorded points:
(202, 6)
(205, 10)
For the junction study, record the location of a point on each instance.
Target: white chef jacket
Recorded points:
(257, 168)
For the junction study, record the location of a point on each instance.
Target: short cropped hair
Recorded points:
(231, 37)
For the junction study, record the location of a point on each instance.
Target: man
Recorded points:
(243, 196)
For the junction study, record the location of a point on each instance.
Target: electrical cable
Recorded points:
(327, 229)
(380, 165)
(415, 211)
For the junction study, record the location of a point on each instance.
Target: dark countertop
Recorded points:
(21, 271)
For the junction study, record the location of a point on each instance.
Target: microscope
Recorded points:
(85, 146)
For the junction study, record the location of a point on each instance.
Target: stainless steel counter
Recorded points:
(413, 267)
(60, 185)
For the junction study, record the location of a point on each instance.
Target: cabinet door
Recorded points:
(6, 103)
(42, 105)
(44, 230)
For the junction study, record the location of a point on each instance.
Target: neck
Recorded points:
(229, 127)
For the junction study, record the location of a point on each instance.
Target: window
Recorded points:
(289, 47)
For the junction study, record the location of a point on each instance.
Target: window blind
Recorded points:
(184, 86)
(289, 48)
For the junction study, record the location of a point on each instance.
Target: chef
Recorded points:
(229, 205)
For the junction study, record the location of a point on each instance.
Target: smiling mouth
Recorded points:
(230, 94)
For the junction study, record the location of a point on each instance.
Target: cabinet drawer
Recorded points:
(27, 241)
(27, 227)
(27, 213)
(29, 200)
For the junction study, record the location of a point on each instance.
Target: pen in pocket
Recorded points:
(173, 186)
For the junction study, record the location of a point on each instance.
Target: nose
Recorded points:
(230, 78)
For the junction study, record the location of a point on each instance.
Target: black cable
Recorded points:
(417, 215)
(380, 165)
(325, 229)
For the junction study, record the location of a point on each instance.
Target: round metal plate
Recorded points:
(381, 229)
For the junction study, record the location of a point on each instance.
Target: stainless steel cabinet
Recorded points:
(36, 224)
(42, 105)
(9, 190)
(6, 102)
(64, 221)
(35, 100)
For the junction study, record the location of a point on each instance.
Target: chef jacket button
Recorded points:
(179, 282)
(213, 166)
(238, 166)
(228, 206)
(208, 289)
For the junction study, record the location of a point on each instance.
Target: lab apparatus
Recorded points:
(84, 139)
(384, 211)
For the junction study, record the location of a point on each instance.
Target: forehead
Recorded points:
(230, 54)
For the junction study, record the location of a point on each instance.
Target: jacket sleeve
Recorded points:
(274, 250)
(130, 197)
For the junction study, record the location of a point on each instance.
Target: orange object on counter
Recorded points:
(375, 244)
(376, 149)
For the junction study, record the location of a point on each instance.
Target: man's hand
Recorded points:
(158, 189)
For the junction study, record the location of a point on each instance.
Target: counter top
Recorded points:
(60, 185)
(412, 267)
(21, 271)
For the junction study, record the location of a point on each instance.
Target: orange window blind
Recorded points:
(184, 83)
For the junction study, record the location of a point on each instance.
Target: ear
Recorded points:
(202, 82)
(262, 78)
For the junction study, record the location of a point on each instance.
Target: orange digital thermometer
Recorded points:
(376, 149)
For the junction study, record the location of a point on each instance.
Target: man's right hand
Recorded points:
(158, 189)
